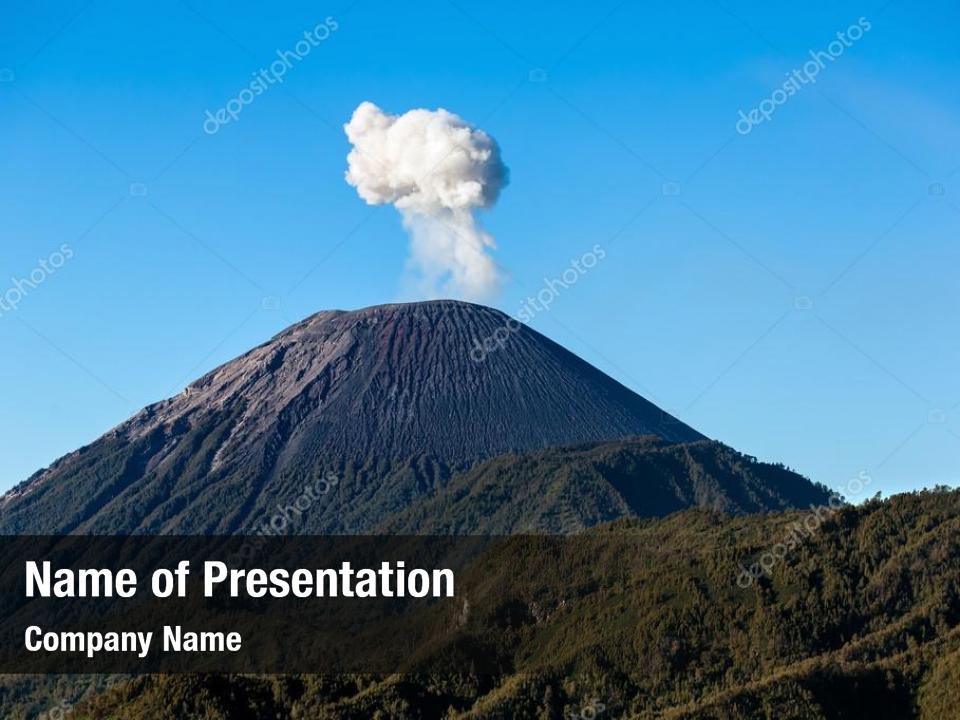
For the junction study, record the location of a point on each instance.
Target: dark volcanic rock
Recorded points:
(391, 399)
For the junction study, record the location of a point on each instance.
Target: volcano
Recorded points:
(392, 400)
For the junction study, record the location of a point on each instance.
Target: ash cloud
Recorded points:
(438, 171)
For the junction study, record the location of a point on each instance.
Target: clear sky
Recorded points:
(790, 290)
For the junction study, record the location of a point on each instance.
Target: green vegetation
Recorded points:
(860, 620)
(569, 489)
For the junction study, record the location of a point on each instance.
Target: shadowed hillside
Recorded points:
(862, 620)
(563, 490)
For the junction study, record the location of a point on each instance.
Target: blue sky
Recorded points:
(791, 291)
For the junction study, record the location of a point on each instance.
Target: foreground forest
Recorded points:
(857, 615)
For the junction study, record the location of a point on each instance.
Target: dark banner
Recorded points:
(75, 604)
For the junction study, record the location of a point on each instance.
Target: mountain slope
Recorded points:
(390, 398)
(564, 490)
(862, 619)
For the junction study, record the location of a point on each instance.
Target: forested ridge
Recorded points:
(860, 619)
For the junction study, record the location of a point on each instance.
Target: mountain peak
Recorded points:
(443, 383)
(461, 310)
(447, 378)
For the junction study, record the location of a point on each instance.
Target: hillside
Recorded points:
(568, 489)
(861, 620)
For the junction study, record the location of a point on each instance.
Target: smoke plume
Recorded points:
(438, 171)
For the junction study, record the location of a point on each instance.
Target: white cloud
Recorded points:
(438, 171)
